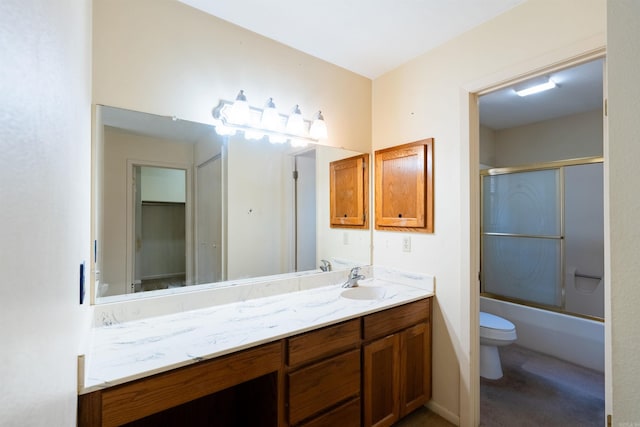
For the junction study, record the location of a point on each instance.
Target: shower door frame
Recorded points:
(560, 164)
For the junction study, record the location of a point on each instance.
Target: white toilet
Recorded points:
(494, 331)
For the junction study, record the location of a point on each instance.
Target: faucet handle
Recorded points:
(326, 265)
(354, 271)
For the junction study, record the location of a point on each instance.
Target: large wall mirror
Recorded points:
(176, 205)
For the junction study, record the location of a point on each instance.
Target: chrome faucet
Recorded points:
(354, 276)
(326, 265)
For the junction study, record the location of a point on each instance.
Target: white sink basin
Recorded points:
(364, 293)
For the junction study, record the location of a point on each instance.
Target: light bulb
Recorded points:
(270, 117)
(295, 123)
(240, 113)
(318, 127)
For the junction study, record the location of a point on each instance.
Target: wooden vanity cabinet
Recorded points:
(141, 402)
(323, 379)
(372, 370)
(396, 363)
(404, 187)
(349, 192)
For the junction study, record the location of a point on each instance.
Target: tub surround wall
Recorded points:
(253, 314)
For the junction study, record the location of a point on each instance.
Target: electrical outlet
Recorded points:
(406, 244)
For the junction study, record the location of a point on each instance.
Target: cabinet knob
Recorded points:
(345, 215)
(399, 215)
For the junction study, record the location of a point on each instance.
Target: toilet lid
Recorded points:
(491, 321)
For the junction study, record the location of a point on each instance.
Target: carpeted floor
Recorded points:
(535, 391)
(538, 390)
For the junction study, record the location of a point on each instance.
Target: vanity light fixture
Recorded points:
(548, 84)
(256, 123)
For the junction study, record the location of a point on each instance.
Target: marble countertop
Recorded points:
(127, 351)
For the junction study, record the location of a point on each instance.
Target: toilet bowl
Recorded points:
(494, 332)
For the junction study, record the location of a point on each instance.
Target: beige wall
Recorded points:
(163, 57)
(569, 137)
(45, 138)
(622, 176)
(259, 209)
(428, 97)
(487, 147)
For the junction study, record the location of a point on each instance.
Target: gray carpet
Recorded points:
(538, 390)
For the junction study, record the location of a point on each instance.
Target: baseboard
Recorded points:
(443, 412)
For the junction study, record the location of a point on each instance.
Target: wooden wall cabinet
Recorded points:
(349, 192)
(396, 367)
(404, 187)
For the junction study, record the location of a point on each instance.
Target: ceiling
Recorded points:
(368, 37)
(579, 89)
(163, 127)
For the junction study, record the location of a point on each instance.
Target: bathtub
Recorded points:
(570, 338)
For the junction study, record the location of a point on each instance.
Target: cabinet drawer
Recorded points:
(315, 345)
(322, 385)
(345, 415)
(389, 321)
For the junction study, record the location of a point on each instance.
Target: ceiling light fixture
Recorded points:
(549, 84)
(256, 123)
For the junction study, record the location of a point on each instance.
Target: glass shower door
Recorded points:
(522, 236)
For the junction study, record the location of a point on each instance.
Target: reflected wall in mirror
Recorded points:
(177, 205)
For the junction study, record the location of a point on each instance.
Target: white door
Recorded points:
(306, 211)
(209, 226)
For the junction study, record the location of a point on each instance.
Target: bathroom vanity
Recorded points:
(306, 358)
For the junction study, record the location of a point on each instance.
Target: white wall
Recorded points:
(430, 98)
(621, 180)
(45, 118)
(163, 184)
(569, 137)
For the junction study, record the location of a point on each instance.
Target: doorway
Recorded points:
(550, 137)
(159, 224)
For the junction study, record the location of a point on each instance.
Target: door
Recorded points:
(209, 222)
(305, 210)
(381, 382)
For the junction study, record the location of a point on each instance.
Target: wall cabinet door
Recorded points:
(404, 187)
(349, 192)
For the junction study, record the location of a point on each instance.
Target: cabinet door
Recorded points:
(415, 368)
(381, 389)
(404, 187)
(349, 192)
